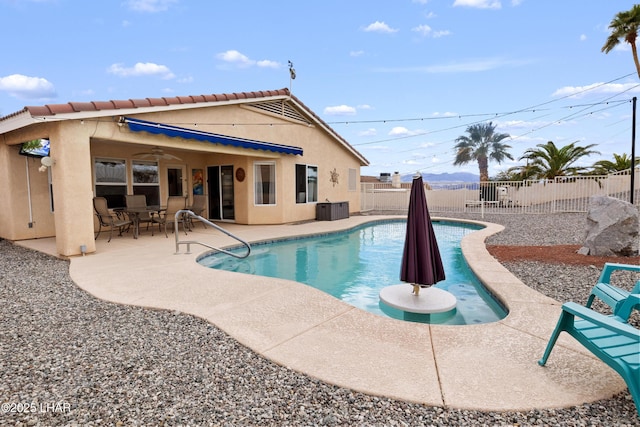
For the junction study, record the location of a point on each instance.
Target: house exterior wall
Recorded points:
(24, 193)
(76, 143)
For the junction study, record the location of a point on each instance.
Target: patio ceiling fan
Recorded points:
(156, 154)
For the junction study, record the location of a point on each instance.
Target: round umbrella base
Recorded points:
(430, 300)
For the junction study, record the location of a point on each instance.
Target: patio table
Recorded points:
(134, 215)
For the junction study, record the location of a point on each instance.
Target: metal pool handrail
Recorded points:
(217, 227)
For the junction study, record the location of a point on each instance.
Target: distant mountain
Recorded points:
(444, 177)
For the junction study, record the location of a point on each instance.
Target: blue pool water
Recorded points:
(355, 265)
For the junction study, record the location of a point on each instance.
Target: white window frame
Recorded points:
(97, 184)
(306, 183)
(155, 184)
(256, 177)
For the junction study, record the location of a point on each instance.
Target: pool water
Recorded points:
(355, 265)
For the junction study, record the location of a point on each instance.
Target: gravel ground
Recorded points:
(77, 361)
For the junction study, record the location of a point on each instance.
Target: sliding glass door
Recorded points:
(221, 198)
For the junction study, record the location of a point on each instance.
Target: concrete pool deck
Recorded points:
(490, 367)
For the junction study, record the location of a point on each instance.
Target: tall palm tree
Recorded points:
(549, 161)
(625, 26)
(620, 162)
(482, 144)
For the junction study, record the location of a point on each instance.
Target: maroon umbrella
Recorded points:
(421, 262)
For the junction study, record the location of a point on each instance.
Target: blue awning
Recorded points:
(137, 125)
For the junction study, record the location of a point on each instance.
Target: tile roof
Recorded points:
(78, 107)
(96, 106)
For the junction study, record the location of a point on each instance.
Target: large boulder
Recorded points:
(613, 228)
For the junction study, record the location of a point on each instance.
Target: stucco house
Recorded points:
(260, 157)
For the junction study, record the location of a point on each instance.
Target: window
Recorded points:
(111, 180)
(306, 184)
(146, 181)
(353, 183)
(265, 183)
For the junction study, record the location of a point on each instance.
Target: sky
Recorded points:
(399, 80)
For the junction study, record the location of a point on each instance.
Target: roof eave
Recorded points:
(17, 121)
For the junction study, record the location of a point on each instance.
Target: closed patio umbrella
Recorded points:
(421, 262)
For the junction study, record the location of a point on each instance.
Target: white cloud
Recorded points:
(423, 30)
(368, 132)
(340, 110)
(25, 87)
(479, 4)
(597, 88)
(380, 27)
(356, 53)
(399, 130)
(188, 79)
(445, 114)
(239, 60)
(265, 63)
(141, 69)
(426, 31)
(365, 107)
(441, 33)
(403, 131)
(151, 6)
(583, 37)
(236, 58)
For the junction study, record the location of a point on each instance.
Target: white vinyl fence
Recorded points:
(563, 194)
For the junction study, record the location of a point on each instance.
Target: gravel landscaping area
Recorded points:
(68, 359)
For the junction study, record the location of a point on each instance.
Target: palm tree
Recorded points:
(625, 26)
(548, 161)
(522, 173)
(620, 162)
(481, 145)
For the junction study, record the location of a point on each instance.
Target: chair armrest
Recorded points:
(599, 319)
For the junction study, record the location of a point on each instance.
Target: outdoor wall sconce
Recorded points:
(46, 162)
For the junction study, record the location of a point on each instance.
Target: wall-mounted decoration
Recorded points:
(334, 177)
(197, 176)
(240, 174)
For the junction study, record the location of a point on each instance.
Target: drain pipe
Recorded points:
(26, 162)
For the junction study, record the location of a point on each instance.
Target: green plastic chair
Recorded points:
(614, 342)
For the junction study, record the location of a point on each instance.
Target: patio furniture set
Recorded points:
(137, 212)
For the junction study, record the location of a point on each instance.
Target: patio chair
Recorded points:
(168, 216)
(198, 207)
(139, 201)
(614, 342)
(108, 220)
(612, 295)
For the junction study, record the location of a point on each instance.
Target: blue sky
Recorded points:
(400, 80)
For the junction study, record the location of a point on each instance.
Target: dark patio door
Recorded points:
(220, 186)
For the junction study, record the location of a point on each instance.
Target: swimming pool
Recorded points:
(354, 265)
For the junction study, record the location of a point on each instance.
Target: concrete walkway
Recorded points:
(488, 367)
